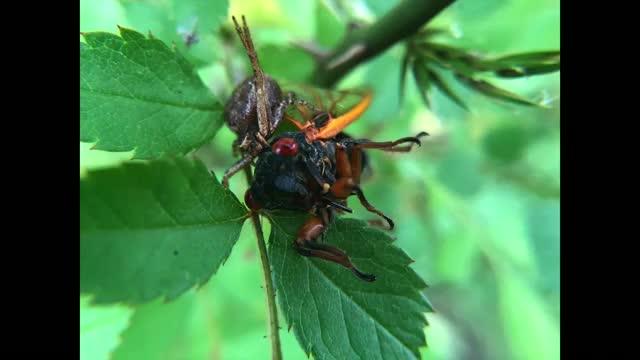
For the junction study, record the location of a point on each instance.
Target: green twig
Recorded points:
(362, 44)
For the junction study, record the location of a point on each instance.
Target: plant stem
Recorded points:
(274, 328)
(362, 44)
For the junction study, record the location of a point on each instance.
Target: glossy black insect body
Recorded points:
(289, 175)
(316, 176)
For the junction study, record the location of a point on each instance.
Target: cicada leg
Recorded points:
(348, 178)
(306, 245)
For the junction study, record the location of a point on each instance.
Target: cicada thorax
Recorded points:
(294, 173)
(288, 175)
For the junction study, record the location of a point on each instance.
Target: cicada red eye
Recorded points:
(285, 147)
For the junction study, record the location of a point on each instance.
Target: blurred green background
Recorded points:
(477, 206)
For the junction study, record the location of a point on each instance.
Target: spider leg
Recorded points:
(235, 168)
(279, 111)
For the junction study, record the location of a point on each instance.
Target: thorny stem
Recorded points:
(400, 22)
(274, 334)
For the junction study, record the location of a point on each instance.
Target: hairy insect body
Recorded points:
(241, 114)
(255, 108)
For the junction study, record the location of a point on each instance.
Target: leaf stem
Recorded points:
(274, 328)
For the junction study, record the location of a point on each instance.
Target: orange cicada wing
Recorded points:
(336, 108)
(338, 123)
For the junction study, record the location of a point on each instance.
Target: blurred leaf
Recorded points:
(543, 220)
(329, 28)
(457, 254)
(137, 94)
(528, 178)
(382, 77)
(437, 80)
(336, 315)
(444, 341)
(531, 331)
(173, 20)
(404, 68)
(469, 11)
(153, 229)
(421, 77)
(100, 15)
(381, 7)
(286, 63)
(525, 64)
(494, 92)
(506, 144)
(100, 328)
(157, 331)
(210, 14)
(465, 64)
(460, 172)
(151, 17)
(451, 58)
(527, 71)
(500, 214)
(513, 25)
(539, 170)
(297, 16)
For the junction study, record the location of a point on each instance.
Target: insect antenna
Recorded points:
(239, 165)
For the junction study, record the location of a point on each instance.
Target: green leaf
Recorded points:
(100, 328)
(421, 77)
(334, 314)
(329, 28)
(167, 322)
(528, 325)
(381, 7)
(525, 64)
(382, 76)
(451, 58)
(97, 15)
(493, 91)
(506, 144)
(459, 171)
(543, 225)
(137, 94)
(530, 58)
(286, 62)
(153, 229)
(442, 86)
(404, 68)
